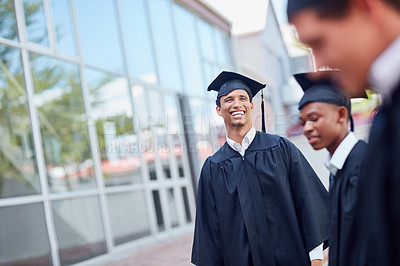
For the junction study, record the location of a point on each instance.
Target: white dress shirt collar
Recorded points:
(247, 140)
(336, 162)
(384, 71)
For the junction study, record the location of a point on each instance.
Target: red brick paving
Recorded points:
(175, 252)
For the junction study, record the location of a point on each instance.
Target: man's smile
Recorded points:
(313, 139)
(237, 113)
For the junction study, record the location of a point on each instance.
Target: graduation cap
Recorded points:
(294, 6)
(227, 81)
(322, 90)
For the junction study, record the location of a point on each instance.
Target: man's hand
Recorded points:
(316, 263)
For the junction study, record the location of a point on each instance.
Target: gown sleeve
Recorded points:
(310, 197)
(206, 245)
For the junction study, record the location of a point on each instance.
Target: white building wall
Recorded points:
(263, 56)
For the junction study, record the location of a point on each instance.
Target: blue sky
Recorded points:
(248, 15)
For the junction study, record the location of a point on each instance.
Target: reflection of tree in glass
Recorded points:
(35, 21)
(61, 111)
(95, 88)
(31, 7)
(8, 27)
(8, 30)
(16, 156)
(123, 123)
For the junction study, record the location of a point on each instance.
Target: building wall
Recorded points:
(96, 102)
(263, 56)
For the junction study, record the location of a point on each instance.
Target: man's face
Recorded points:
(345, 43)
(321, 124)
(236, 109)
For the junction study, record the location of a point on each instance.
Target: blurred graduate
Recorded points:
(325, 115)
(259, 202)
(362, 39)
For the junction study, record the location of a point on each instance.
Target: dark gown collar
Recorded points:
(262, 141)
(353, 159)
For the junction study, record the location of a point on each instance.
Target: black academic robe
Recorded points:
(344, 201)
(265, 208)
(380, 221)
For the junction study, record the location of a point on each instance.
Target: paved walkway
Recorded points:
(175, 252)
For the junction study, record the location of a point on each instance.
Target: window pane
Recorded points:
(173, 214)
(24, 239)
(159, 212)
(141, 107)
(145, 119)
(202, 120)
(217, 127)
(128, 221)
(18, 172)
(171, 111)
(164, 42)
(175, 131)
(98, 33)
(207, 42)
(158, 136)
(8, 25)
(135, 27)
(153, 134)
(111, 108)
(186, 204)
(35, 21)
(189, 51)
(79, 229)
(222, 48)
(152, 170)
(210, 72)
(58, 98)
(63, 26)
(181, 171)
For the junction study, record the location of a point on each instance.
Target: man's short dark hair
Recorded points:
(394, 3)
(339, 8)
(335, 9)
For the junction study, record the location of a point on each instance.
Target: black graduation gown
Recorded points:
(344, 201)
(265, 208)
(380, 221)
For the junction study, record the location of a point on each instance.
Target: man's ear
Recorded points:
(364, 5)
(343, 114)
(218, 108)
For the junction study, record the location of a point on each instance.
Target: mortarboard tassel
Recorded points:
(351, 123)
(262, 112)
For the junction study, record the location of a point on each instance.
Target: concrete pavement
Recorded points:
(174, 252)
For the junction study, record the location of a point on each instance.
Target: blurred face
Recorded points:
(323, 124)
(236, 109)
(346, 43)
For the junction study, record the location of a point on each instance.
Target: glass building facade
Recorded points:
(105, 122)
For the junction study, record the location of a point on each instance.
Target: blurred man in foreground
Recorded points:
(362, 39)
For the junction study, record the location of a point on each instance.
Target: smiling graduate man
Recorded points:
(325, 113)
(259, 201)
